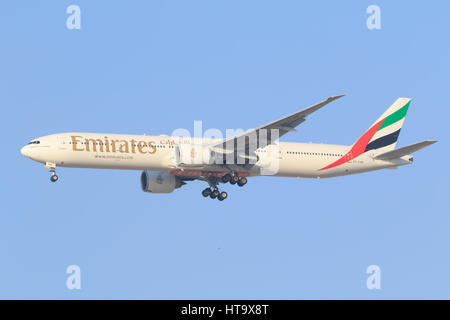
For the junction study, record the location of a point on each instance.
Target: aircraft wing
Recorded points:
(263, 135)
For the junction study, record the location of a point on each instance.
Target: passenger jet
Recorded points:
(167, 162)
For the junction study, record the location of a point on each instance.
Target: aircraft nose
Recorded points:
(25, 151)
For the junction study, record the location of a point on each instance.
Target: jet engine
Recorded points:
(159, 182)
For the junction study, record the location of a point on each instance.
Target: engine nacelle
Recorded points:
(192, 155)
(159, 182)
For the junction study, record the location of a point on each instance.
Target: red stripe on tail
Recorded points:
(358, 148)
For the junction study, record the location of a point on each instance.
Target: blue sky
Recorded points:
(155, 66)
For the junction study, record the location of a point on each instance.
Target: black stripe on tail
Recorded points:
(383, 141)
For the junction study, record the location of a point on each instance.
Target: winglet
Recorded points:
(336, 97)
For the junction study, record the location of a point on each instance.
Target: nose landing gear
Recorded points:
(51, 167)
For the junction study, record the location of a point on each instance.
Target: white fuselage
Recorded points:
(155, 153)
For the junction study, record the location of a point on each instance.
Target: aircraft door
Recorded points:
(62, 142)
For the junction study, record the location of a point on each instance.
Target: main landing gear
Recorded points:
(234, 179)
(213, 192)
(51, 167)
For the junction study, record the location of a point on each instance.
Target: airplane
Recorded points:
(168, 162)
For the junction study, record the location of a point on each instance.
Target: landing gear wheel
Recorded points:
(242, 181)
(206, 192)
(222, 196)
(54, 178)
(214, 194)
(226, 178)
(234, 179)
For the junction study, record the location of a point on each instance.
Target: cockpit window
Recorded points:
(34, 142)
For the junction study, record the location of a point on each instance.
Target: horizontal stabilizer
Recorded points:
(398, 153)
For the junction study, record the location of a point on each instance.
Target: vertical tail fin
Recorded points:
(382, 136)
(388, 127)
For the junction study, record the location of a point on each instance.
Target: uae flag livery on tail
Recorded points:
(382, 135)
